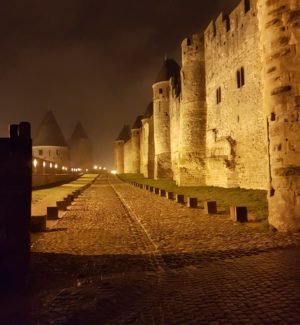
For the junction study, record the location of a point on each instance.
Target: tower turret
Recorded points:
(161, 119)
(119, 148)
(192, 136)
(279, 25)
(135, 145)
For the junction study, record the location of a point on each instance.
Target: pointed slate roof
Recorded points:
(138, 122)
(78, 133)
(169, 69)
(124, 134)
(49, 133)
(149, 111)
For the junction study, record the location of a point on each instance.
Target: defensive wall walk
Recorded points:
(122, 255)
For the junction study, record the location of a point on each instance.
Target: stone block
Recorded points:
(156, 190)
(151, 188)
(170, 195)
(67, 200)
(239, 214)
(61, 205)
(38, 223)
(71, 197)
(192, 202)
(162, 193)
(180, 198)
(146, 187)
(210, 207)
(52, 213)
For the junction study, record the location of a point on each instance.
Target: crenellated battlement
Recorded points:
(227, 28)
(193, 48)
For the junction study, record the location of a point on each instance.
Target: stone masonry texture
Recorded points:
(232, 117)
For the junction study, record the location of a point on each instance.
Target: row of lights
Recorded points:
(55, 166)
(96, 167)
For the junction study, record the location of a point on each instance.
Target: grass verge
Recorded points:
(254, 200)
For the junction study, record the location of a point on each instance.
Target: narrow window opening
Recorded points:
(218, 95)
(247, 5)
(160, 90)
(238, 79)
(227, 22)
(188, 42)
(273, 116)
(40, 152)
(242, 76)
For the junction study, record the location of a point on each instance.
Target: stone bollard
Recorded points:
(162, 193)
(239, 214)
(180, 198)
(192, 202)
(156, 190)
(71, 197)
(170, 195)
(151, 189)
(52, 213)
(61, 205)
(210, 207)
(67, 200)
(38, 223)
(146, 187)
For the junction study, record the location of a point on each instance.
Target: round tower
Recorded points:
(161, 119)
(192, 114)
(119, 154)
(135, 145)
(280, 38)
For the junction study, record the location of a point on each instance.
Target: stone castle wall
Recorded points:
(234, 122)
(236, 126)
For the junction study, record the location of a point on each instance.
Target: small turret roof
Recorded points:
(124, 134)
(138, 122)
(78, 133)
(149, 111)
(49, 133)
(169, 69)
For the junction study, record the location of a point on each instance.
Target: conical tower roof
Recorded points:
(124, 134)
(78, 133)
(149, 111)
(169, 69)
(49, 133)
(138, 122)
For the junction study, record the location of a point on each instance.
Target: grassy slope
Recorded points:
(254, 200)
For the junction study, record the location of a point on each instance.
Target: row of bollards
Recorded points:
(237, 213)
(39, 223)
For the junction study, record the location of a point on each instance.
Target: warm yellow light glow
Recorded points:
(104, 168)
(51, 165)
(44, 164)
(114, 172)
(55, 166)
(95, 167)
(35, 163)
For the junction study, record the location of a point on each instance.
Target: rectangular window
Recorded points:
(240, 77)
(218, 95)
(160, 90)
(57, 152)
(40, 152)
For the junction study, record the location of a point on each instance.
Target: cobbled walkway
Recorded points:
(122, 255)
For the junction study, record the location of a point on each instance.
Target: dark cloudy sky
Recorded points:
(90, 60)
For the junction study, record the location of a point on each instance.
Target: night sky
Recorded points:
(90, 60)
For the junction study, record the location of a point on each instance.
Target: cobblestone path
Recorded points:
(121, 255)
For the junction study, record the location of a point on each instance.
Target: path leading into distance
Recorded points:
(122, 255)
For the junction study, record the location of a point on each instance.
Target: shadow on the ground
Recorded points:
(60, 279)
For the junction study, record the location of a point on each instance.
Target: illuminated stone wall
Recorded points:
(236, 146)
(280, 36)
(59, 155)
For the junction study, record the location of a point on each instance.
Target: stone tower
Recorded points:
(119, 148)
(135, 145)
(161, 119)
(49, 142)
(192, 136)
(147, 143)
(280, 36)
(80, 149)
